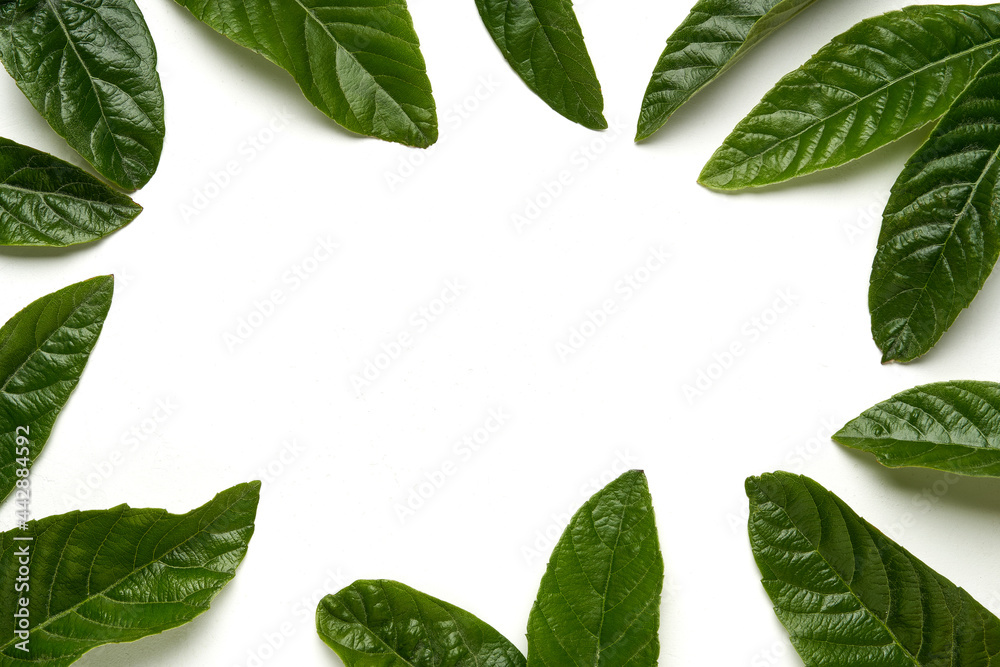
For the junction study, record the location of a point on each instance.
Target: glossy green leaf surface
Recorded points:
(90, 70)
(950, 426)
(357, 61)
(873, 84)
(43, 351)
(848, 595)
(599, 600)
(940, 233)
(389, 624)
(47, 202)
(542, 41)
(117, 575)
(713, 38)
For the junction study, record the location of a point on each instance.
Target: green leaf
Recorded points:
(950, 426)
(47, 202)
(543, 43)
(359, 62)
(117, 575)
(599, 600)
(90, 70)
(875, 83)
(713, 38)
(940, 237)
(848, 595)
(43, 351)
(391, 625)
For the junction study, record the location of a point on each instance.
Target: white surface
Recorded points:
(330, 516)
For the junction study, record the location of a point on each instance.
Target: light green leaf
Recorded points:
(43, 351)
(714, 37)
(117, 575)
(359, 62)
(599, 600)
(388, 624)
(90, 70)
(47, 202)
(543, 43)
(848, 595)
(940, 237)
(875, 83)
(950, 426)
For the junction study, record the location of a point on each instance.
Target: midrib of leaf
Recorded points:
(863, 98)
(848, 586)
(90, 77)
(607, 581)
(42, 197)
(951, 232)
(45, 623)
(309, 13)
(39, 346)
(37, 230)
(364, 623)
(552, 46)
(944, 427)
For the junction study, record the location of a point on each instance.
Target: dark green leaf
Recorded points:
(47, 202)
(877, 82)
(599, 600)
(117, 575)
(940, 237)
(848, 595)
(391, 625)
(950, 426)
(43, 351)
(713, 38)
(359, 62)
(90, 70)
(543, 43)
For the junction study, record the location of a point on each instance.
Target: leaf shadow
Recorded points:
(979, 495)
(48, 252)
(172, 646)
(973, 324)
(269, 78)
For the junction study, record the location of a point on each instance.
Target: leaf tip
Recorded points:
(596, 122)
(642, 133)
(105, 283)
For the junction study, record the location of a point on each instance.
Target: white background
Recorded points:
(330, 515)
